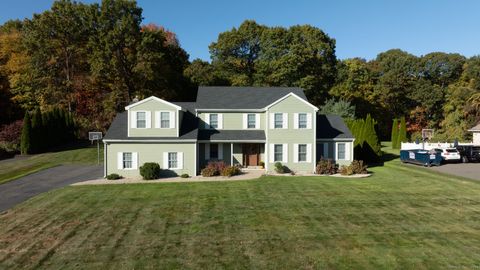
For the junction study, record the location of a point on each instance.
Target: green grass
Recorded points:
(11, 170)
(403, 217)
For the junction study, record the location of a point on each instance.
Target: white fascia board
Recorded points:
(229, 110)
(169, 141)
(232, 141)
(152, 98)
(336, 140)
(293, 95)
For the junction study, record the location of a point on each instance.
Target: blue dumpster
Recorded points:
(422, 157)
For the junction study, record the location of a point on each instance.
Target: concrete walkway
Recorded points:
(19, 190)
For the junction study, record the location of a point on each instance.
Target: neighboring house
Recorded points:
(239, 125)
(476, 134)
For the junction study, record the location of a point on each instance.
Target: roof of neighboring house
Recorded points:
(227, 97)
(231, 135)
(119, 129)
(189, 106)
(475, 128)
(332, 127)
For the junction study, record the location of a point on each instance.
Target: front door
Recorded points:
(250, 154)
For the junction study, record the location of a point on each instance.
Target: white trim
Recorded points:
(148, 119)
(309, 120)
(119, 160)
(267, 157)
(230, 110)
(134, 160)
(231, 154)
(172, 119)
(272, 152)
(133, 119)
(220, 120)
(207, 121)
(295, 120)
(180, 160)
(195, 151)
(285, 121)
(272, 120)
(337, 140)
(245, 120)
(165, 160)
(257, 121)
(314, 145)
(153, 140)
(309, 153)
(104, 159)
(152, 98)
(294, 95)
(285, 153)
(231, 141)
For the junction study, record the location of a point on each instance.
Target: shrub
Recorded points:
(25, 145)
(150, 170)
(12, 132)
(358, 167)
(346, 170)
(209, 172)
(279, 168)
(185, 175)
(114, 176)
(230, 171)
(326, 166)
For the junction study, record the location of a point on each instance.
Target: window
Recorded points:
(213, 151)
(251, 120)
(278, 152)
(341, 151)
(213, 120)
(141, 120)
(302, 152)
(302, 120)
(164, 120)
(172, 160)
(278, 117)
(127, 160)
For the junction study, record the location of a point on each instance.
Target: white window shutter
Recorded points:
(347, 151)
(165, 160)
(245, 121)
(157, 119)
(120, 160)
(148, 119)
(295, 120)
(272, 120)
(309, 120)
(220, 151)
(257, 121)
(207, 120)
(272, 153)
(133, 119)
(285, 120)
(309, 152)
(220, 121)
(180, 160)
(207, 151)
(295, 153)
(172, 119)
(285, 153)
(134, 160)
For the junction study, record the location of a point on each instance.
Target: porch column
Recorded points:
(231, 154)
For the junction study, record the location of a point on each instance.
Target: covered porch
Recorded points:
(234, 147)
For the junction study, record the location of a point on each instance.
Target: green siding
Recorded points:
(232, 121)
(150, 152)
(291, 135)
(152, 106)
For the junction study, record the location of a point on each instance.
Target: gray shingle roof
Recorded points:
(332, 127)
(226, 97)
(234, 135)
(118, 129)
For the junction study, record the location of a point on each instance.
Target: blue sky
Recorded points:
(361, 28)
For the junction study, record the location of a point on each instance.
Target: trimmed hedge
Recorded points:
(150, 170)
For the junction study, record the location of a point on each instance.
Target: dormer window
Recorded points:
(164, 119)
(141, 120)
(213, 120)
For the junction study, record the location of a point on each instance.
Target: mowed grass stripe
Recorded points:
(398, 218)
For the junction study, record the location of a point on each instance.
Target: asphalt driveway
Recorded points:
(468, 170)
(17, 191)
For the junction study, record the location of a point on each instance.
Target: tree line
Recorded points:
(92, 59)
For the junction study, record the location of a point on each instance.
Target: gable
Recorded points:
(152, 103)
(291, 104)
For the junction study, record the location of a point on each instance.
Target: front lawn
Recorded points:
(16, 168)
(402, 217)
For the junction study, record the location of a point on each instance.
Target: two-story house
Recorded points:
(239, 125)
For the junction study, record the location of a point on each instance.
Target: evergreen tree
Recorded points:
(37, 139)
(394, 137)
(25, 146)
(402, 133)
(367, 145)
